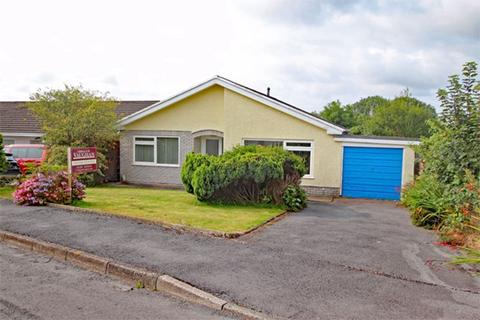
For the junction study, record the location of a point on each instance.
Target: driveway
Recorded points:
(348, 259)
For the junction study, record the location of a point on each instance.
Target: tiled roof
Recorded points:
(15, 116)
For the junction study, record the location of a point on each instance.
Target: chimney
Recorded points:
(268, 91)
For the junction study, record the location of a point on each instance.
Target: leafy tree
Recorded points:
(366, 106)
(3, 159)
(75, 117)
(403, 116)
(454, 148)
(338, 114)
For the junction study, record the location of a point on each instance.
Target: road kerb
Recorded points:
(243, 312)
(132, 275)
(129, 274)
(87, 261)
(54, 250)
(181, 289)
(17, 240)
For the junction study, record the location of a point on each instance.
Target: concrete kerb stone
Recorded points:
(181, 289)
(54, 250)
(243, 312)
(87, 261)
(132, 275)
(129, 274)
(17, 240)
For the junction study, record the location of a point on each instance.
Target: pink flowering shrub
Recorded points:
(41, 188)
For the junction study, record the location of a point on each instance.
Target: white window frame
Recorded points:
(154, 143)
(292, 148)
(203, 144)
(300, 148)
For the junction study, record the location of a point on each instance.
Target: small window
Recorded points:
(304, 150)
(140, 139)
(167, 150)
(298, 144)
(267, 143)
(306, 158)
(145, 149)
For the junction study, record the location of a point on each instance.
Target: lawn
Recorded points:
(175, 207)
(6, 192)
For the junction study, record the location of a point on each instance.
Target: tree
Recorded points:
(403, 116)
(3, 159)
(338, 114)
(366, 106)
(454, 148)
(75, 117)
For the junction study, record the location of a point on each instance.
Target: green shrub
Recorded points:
(244, 175)
(426, 200)
(294, 198)
(192, 162)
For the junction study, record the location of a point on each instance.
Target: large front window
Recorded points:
(302, 148)
(156, 151)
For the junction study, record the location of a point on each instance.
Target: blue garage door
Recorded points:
(374, 173)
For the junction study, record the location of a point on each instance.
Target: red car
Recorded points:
(27, 153)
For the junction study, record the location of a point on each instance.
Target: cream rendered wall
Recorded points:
(247, 118)
(408, 165)
(203, 110)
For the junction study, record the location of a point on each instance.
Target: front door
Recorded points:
(212, 146)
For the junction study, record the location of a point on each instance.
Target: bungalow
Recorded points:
(218, 114)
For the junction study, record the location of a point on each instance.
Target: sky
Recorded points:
(308, 52)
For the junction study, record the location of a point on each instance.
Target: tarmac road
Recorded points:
(35, 287)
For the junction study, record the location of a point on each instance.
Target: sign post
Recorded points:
(80, 160)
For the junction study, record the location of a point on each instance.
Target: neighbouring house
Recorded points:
(219, 114)
(19, 125)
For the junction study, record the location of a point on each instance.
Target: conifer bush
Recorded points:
(244, 175)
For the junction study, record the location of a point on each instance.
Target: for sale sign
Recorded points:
(82, 160)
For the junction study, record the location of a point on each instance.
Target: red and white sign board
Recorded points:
(82, 160)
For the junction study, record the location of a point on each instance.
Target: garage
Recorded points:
(372, 172)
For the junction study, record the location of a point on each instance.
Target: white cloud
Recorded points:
(308, 52)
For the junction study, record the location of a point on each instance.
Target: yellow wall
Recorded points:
(247, 118)
(203, 110)
(240, 117)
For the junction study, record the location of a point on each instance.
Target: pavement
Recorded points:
(35, 287)
(348, 259)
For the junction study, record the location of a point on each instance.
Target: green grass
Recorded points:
(175, 207)
(6, 192)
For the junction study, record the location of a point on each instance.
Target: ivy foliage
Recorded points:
(244, 175)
